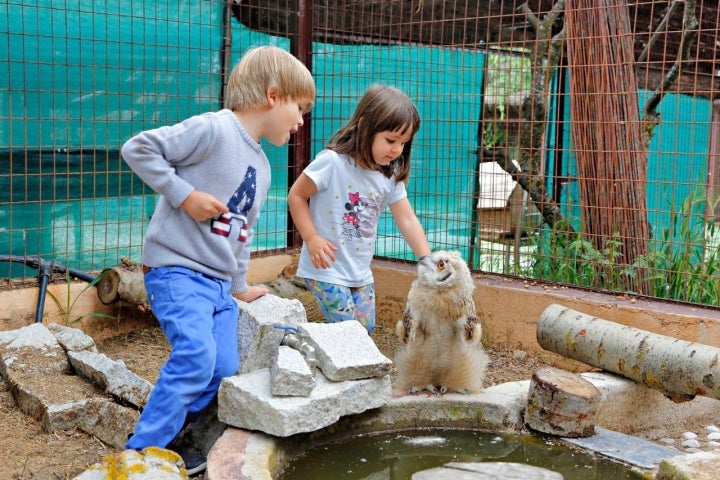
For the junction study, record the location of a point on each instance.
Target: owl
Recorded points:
(439, 333)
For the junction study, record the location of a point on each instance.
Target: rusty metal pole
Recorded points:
(226, 52)
(299, 151)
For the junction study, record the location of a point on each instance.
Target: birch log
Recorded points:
(122, 284)
(678, 368)
(561, 403)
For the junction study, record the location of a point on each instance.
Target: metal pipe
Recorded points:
(294, 339)
(299, 147)
(44, 274)
(45, 270)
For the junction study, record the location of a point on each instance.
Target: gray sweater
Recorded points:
(212, 153)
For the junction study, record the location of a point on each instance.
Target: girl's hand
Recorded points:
(321, 251)
(252, 293)
(202, 206)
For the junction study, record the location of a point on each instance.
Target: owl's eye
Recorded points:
(441, 265)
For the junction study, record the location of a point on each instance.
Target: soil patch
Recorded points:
(31, 453)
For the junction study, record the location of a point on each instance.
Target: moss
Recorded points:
(668, 471)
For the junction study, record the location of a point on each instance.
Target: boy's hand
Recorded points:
(252, 293)
(321, 251)
(202, 206)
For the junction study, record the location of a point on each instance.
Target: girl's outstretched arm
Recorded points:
(410, 227)
(320, 249)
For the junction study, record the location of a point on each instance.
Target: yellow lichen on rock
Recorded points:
(152, 463)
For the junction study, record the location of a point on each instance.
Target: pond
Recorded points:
(397, 455)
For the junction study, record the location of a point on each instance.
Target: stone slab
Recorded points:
(54, 408)
(621, 395)
(108, 421)
(258, 339)
(291, 376)
(625, 448)
(31, 350)
(72, 339)
(246, 401)
(487, 471)
(345, 351)
(111, 375)
(491, 409)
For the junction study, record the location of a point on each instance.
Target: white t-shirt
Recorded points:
(346, 210)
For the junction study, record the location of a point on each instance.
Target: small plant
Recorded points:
(682, 264)
(66, 308)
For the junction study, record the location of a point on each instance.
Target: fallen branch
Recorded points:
(678, 368)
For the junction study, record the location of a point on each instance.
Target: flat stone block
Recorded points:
(490, 409)
(72, 339)
(291, 376)
(31, 350)
(246, 401)
(258, 339)
(112, 376)
(345, 351)
(108, 421)
(487, 471)
(53, 408)
(631, 450)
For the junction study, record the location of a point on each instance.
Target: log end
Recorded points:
(561, 403)
(108, 286)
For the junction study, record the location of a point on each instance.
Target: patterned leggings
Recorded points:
(339, 303)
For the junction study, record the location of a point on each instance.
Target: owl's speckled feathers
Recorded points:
(439, 331)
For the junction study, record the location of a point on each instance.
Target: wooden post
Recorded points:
(678, 368)
(561, 403)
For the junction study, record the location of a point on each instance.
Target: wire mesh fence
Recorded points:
(571, 142)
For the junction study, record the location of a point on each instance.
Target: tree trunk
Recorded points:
(123, 284)
(606, 132)
(561, 403)
(678, 368)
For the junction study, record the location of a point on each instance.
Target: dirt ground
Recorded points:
(31, 453)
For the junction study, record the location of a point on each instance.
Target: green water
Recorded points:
(396, 456)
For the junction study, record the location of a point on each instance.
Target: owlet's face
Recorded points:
(442, 269)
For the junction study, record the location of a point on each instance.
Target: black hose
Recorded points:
(45, 270)
(37, 262)
(44, 274)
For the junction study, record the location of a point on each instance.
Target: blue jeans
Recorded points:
(199, 317)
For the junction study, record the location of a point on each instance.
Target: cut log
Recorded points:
(678, 368)
(122, 284)
(561, 403)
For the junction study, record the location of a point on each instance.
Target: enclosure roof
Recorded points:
(484, 24)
